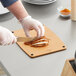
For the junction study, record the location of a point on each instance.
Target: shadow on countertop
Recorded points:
(6, 17)
(64, 19)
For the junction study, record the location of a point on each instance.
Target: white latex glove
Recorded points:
(29, 23)
(6, 36)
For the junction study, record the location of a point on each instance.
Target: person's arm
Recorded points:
(16, 7)
(18, 10)
(26, 21)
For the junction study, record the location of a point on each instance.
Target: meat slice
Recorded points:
(40, 42)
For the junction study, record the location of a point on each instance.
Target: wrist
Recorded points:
(25, 19)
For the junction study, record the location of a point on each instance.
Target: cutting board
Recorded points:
(55, 44)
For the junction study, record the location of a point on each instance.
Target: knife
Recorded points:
(25, 39)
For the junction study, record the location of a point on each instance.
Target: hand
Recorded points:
(29, 23)
(6, 37)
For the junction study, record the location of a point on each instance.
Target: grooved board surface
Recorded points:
(55, 44)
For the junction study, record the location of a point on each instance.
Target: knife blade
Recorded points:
(24, 39)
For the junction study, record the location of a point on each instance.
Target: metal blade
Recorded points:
(24, 39)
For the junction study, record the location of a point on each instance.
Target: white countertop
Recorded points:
(19, 64)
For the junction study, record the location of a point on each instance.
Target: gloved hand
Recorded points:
(6, 37)
(29, 23)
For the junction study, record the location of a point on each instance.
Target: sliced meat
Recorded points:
(43, 41)
(40, 44)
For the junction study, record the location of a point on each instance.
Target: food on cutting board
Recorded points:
(40, 42)
(65, 11)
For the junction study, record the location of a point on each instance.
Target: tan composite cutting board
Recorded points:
(55, 44)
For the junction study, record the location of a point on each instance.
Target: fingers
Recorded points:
(41, 29)
(27, 33)
(14, 40)
(9, 40)
(29, 24)
(37, 29)
(6, 37)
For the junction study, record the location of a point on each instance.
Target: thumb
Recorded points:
(27, 33)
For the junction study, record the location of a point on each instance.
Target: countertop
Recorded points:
(18, 63)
